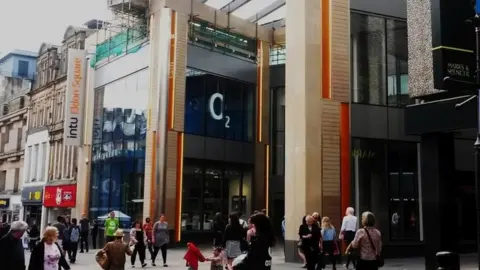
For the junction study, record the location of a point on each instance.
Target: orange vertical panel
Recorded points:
(171, 72)
(326, 41)
(179, 187)
(345, 187)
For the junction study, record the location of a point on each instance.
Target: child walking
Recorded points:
(216, 260)
(193, 256)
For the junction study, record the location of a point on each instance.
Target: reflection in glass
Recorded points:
(368, 59)
(397, 63)
(210, 189)
(118, 155)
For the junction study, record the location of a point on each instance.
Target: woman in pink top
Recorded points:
(368, 249)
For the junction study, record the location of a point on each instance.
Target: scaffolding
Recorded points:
(124, 34)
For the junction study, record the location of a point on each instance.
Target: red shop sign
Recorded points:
(60, 196)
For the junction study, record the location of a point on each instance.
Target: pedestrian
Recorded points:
(47, 254)
(310, 241)
(216, 259)
(161, 238)
(193, 256)
(347, 233)
(258, 255)
(60, 225)
(368, 241)
(11, 247)
(74, 238)
(84, 228)
(234, 235)
(218, 229)
(112, 224)
(33, 236)
(148, 229)
(115, 251)
(328, 241)
(138, 240)
(94, 233)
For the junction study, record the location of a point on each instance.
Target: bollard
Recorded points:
(447, 260)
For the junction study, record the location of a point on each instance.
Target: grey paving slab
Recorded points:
(86, 261)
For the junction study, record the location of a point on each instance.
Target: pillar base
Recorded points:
(291, 252)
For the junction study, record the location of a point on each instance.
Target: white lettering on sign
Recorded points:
(455, 69)
(218, 115)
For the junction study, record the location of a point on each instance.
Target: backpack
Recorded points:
(75, 235)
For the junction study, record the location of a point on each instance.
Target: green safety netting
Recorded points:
(125, 42)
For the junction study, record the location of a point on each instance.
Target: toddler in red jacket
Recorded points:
(193, 256)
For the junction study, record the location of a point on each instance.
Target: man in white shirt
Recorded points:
(347, 232)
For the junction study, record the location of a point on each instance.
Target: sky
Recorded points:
(26, 24)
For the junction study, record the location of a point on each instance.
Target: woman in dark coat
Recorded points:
(310, 235)
(47, 254)
(258, 255)
(218, 229)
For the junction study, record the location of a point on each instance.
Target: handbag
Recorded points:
(379, 258)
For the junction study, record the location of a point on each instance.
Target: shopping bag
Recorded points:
(102, 259)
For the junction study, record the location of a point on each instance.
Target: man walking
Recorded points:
(74, 238)
(12, 253)
(84, 228)
(111, 226)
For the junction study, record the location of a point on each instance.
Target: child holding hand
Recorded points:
(216, 259)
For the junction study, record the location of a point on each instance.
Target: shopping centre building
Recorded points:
(189, 118)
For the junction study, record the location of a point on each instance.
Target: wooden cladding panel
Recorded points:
(331, 159)
(170, 186)
(180, 69)
(340, 50)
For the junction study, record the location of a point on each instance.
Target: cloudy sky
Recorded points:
(25, 24)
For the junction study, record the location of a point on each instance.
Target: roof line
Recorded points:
(234, 5)
(266, 11)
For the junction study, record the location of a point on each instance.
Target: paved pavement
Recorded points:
(86, 261)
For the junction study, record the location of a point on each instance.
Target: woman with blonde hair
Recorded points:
(47, 254)
(329, 244)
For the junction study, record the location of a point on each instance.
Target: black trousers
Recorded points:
(311, 256)
(140, 249)
(366, 265)
(150, 248)
(84, 240)
(329, 247)
(94, 240)
(348, 237)
(164, 253)
(72, 251)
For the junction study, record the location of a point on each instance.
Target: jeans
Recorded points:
(72, 251)
(140, 249)
(164, 253)
(84, 240)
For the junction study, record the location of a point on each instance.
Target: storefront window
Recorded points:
(278, 134)
(118, 150)
(218, 107)
(397, 63)
(385, 181)
(213, 188)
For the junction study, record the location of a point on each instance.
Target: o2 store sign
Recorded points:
(218, 116)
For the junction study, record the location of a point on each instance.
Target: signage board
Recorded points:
(60, 196)
(75, 97)
(32, 195)
(4, 203)
(453, 41)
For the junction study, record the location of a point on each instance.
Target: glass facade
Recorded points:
(379, 63)
(210, 187)
(219, 107)
(118, 147)
(387, 171)
(278, 132)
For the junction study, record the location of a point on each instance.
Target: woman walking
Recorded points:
(369, 241)
(258, 255)
(328, 243)
(234, 234)
(160, 240)
(347, 233)
(138, 239)
(310, 236)
(47, 254)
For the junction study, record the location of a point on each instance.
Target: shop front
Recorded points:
(32, 204)
(59, 201)
(5, 212)
(219, 160)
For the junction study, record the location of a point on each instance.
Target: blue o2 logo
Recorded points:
(218, 115)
